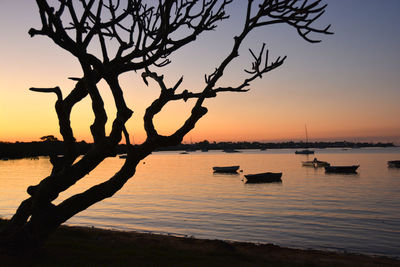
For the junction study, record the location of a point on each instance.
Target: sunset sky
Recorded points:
(345, 88)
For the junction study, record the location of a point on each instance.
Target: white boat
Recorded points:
(315, 163)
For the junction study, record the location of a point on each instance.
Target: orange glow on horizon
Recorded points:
(335, 87)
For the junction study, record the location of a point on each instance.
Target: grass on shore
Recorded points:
(81, 246)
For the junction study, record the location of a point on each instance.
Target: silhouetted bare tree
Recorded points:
(133, 35)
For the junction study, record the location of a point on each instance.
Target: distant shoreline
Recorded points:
(20, 150)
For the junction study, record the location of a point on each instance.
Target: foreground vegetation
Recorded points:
(82, 246)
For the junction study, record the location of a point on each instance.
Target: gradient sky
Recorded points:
(345, 88)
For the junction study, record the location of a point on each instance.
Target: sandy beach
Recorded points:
(84, 246)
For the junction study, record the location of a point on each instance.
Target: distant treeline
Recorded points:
(46, 148)
(205, 145)
(35, 149)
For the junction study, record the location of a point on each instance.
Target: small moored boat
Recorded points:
(315, 163)
(342, 169)
(266, 177)
(226, 169)
(304, 152)
(394, 164)
(229, 150)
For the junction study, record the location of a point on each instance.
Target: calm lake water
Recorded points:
(178, 194)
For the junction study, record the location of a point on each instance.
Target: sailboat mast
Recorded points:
(305, 151)
(305, 126)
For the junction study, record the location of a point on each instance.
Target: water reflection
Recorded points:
(226, 174)
(260, 184)
(180, 194)
(355, 174)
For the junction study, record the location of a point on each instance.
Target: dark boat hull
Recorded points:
(267, 177)
(341, 169)
(227, 169)
(304, 152)
(231, 151)
(394, 164)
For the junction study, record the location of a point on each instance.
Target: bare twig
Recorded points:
(55, 90)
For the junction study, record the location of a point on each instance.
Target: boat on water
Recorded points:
(394, 164)
(305, 151)
(315, 163)
(229, 150)
(266, 177)
(226, 169)
(342, 169)
(123, 156)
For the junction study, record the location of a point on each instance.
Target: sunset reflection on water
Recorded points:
(179, 194)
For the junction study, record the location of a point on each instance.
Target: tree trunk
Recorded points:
(31, 236)
(36, 218)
